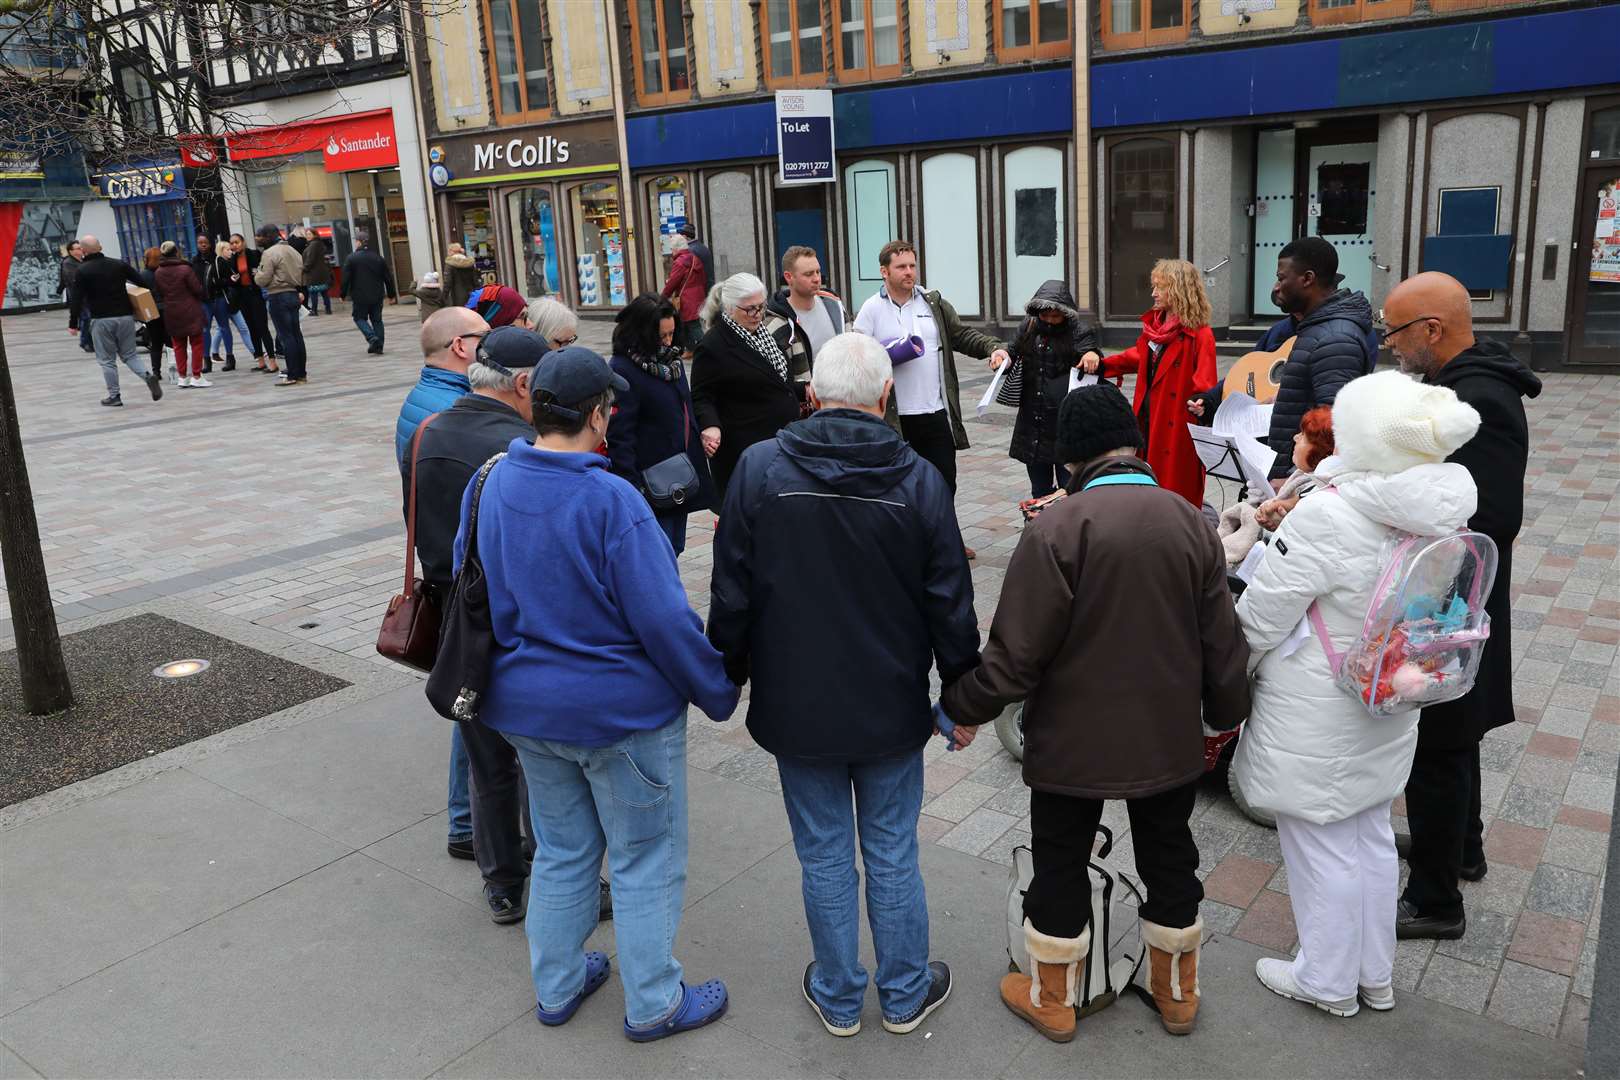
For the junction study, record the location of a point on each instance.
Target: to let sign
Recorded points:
(804, 136)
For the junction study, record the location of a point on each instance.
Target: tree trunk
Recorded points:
(45, 686)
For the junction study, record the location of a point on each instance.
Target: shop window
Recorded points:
(1330, 12)
(667, 200)
(1031, 29)
(733, 235)
(871, 213)
(795, 53)
(534, 241)
(950, 234)
(43, 233)
(517, 46)
(663, 71)
(598, 245)
(1605, 141)
(1132, 24)
(1142, 227)
(1032, 222)
(868, 39)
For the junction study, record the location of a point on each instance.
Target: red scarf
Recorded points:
(1161, 327)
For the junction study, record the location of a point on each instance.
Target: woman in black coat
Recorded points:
(1051, 344)
(742, 389)
(653, 420)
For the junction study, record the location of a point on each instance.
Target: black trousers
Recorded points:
(1058, 902)
(1045, 479)
(930, 435)
(503, 840)
(1442, 808)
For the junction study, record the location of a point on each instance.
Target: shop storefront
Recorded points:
(150, 205)
(44, 204)
(973, 171)
(539, 208)
(337, 177)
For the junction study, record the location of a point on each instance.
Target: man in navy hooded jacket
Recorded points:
(839, 582)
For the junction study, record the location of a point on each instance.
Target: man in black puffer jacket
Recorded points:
(1332, 343)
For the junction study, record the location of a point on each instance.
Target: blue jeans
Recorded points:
(460, 803)
(218, 328)
(85, 341)
(628, 799)
(284, 314)
(368, 317)
(887, 801)
(674, 526)
(317, 293)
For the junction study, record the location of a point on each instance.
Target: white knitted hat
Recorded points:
(1389, 422)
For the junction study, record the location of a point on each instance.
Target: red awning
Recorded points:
(363, 140)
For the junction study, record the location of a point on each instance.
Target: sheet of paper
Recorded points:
(1292, 643)
(1250, 563)
(1240, 414)
(995, 385)
(1077, 380)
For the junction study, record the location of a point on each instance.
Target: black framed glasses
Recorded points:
(479, 335)
(1385, 334)
(751, 309)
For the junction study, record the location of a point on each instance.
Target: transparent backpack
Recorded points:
(1425, 628)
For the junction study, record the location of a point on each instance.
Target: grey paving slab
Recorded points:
(87, 887)
(418, 851)
(730, 826)
(590, 1045)
(353, 970)
(752, 933)
(356, 777)
(13, 1067)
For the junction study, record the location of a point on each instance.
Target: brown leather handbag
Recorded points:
(410, 628)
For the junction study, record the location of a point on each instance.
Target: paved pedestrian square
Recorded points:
(275, 899)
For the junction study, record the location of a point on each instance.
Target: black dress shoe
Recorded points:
(1409, 924)
(460, 849)
(1476, 872)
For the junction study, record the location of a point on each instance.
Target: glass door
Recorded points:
(1595, 326)
(1273, 213)
(1341, 207)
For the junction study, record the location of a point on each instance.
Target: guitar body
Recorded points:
(1259, 374)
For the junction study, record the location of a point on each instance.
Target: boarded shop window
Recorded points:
(1033, 225)
(517, 51)
(795, 52)
(950, 202)
(871, 211)
(1037, 221)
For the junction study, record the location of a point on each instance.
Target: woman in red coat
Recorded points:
(687, 288)
(1173, 360)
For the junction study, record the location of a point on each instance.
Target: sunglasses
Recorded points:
(1385, 334)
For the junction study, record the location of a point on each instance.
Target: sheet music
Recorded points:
(1241, 414)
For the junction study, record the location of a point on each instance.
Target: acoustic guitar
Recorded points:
(1259, 374)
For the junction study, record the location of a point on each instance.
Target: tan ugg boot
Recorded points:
(1046, 998)
(1173, 973)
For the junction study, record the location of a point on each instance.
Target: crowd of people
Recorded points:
(258, 293)
(826, 445)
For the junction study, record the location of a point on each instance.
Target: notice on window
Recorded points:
(1606, 236)
(804, 136)
(1036, 230)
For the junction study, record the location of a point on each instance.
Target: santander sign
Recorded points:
(361, 145)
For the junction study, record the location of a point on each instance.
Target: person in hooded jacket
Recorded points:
(839, 581)
(1310, 752)
(1173, 359)
(653, 419)
(687, 287)
(461, 278)
(184, 317)
(1051, 345)
(1332, 343)
(1429, 328)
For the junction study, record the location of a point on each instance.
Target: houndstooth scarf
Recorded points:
(762, 343)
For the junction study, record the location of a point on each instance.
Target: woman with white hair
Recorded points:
(742, 389)
(1310, 752)
(554, 321)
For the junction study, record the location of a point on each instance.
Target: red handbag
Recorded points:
(410, 627)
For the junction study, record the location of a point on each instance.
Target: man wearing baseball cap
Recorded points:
(597, 657)
(454, 443)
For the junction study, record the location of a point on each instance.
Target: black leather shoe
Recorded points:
(1476, 872)
(460, 849)
(1409, 924)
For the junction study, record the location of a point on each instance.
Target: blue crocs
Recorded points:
(596, 973)
(700, 1005)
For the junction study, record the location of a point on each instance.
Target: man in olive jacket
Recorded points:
(1116, 625)
(926, 407)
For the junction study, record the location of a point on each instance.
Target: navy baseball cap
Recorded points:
(572, 375)
(506, 348)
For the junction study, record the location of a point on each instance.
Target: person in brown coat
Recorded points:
(1115, 624)
(181, 295)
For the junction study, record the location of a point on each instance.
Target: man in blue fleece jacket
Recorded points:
(597, 656)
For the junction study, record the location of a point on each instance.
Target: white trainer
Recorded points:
(199, 382)
(1377, 998)
(1278, 977)
(183, 382)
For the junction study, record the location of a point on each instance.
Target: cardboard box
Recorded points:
(142, 301)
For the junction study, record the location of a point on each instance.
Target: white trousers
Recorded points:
(1343, 879)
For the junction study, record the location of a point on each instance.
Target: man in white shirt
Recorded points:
(803, 316)
(927, 397)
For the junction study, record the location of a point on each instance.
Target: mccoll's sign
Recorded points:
(520, 153)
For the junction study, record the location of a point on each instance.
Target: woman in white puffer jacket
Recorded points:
(1310, 753)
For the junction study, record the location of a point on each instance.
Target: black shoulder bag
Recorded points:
(455, 687)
